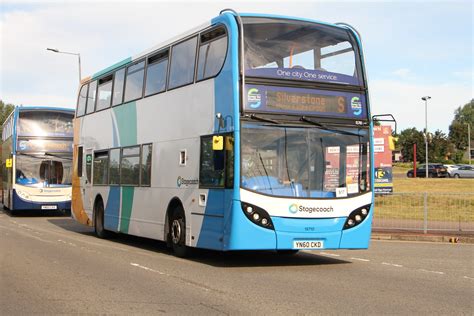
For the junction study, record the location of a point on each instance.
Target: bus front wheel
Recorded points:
(177, 233)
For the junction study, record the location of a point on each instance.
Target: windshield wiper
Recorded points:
(57, 156)
(261, 119)
(307, 120)
(324, 127)
(30, 155)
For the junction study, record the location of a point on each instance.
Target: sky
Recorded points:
(412, 48)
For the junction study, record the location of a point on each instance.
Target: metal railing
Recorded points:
(427, 212)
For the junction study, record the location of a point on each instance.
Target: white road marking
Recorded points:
(172, 276)
(429, 271)
(360, 259)
(469, 278)
(330, 254)
(392, 264)
(146, 268)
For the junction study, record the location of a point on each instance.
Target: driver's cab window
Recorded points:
(216, 162)
(51, 172)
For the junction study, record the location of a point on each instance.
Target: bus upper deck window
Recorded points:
(156, 73)
(182, 63)
(212, 53)
(81, 102)
(134, 81)
(104, 94)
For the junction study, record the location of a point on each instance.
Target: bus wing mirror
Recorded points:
(385, 118)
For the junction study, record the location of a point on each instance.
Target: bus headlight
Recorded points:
(357, 216)
(24, 195)
(257, 215)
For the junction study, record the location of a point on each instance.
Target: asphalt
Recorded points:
(53, 265)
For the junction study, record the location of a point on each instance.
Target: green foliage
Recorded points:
(459, 128)
(441, 148)
(5, 110)
(407, 138)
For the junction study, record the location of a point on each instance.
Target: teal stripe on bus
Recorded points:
(114, 66)
(127, 204)
(126, 116)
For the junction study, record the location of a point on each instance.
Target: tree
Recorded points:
(5, 110)
(458, 129)
(439, 148)
(407, 138)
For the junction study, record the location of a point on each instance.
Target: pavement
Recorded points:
(447, 237)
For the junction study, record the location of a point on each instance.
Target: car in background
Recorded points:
(464, 171)
(450, 168)
(435, 170)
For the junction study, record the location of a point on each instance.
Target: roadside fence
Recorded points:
(427, 212)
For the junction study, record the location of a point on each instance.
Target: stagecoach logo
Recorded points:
(182, 181)
(254, 99)
(356, 105)
(295, 208)
(23, 144)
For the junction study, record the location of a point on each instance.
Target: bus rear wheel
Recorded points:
(99, 229)
(177, 233)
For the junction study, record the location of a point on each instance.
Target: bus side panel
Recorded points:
(77, 206)
(210, 225)
(112, 209)
(7, 173)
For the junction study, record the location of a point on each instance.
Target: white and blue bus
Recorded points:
(248, 132)
(37, 159)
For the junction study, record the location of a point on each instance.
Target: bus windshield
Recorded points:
(301, 161)
(296, 50)
(45, 170)
(45, 123)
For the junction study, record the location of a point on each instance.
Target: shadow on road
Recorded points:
(35, 213)
(231, 259)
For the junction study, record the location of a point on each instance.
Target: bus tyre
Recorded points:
(177, 231)
(99, 221)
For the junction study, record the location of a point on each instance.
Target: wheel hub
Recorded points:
(175, 232)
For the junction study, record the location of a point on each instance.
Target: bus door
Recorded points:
(86, 181)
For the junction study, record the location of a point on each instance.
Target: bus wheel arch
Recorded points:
(98, 218)
(175, 230)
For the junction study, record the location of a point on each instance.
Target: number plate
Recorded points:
(308, 244)
(49, 207)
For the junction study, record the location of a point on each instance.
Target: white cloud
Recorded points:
(402, 72)
(403, 100)
(105, 32)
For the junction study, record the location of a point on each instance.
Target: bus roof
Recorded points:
(43, 108)
(190, 32)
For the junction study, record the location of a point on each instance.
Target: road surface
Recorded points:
(52, 265)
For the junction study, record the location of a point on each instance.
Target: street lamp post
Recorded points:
(426, 98)
(69, 53)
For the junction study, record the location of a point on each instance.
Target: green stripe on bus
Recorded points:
(126, 116)
(127, 204)
(108, 69)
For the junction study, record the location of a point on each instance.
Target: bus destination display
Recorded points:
(303, 101)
